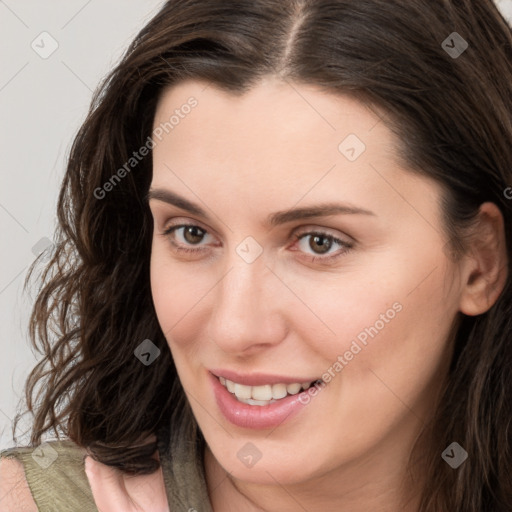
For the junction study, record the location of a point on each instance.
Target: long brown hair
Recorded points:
(450, 105)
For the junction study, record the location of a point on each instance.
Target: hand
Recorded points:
(115, 491)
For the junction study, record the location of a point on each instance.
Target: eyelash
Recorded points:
(345, 245)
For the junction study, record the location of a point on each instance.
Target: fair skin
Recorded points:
(276, 148)
(241, 159)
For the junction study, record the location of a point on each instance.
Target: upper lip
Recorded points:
(259, 379)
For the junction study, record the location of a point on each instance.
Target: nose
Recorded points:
(247, 313)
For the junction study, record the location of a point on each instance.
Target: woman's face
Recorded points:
(266, 291)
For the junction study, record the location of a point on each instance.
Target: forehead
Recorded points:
(276, 125)
(272, 104)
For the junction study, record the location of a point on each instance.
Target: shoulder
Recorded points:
(14, 490)
(43, 475)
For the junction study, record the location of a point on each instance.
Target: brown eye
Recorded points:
(320, 244)
(193, 234)
(183, 235)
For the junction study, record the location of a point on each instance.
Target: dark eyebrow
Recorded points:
(273, 220)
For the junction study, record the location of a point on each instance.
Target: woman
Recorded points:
(286, 232)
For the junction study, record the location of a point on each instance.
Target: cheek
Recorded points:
(178, 296)
(170, 292)
(402, 361)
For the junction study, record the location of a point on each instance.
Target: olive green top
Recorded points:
(55, 473)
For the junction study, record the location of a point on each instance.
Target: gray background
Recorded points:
(42, 103)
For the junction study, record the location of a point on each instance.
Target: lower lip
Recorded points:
(256, 416)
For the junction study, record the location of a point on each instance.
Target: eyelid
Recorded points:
(310, 229)
(185, 221)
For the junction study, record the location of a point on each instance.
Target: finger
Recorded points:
(107, 487)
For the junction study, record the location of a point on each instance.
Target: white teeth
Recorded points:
(262, 392)
(262, 395)
(293, 389)
(242, 391)
(279, 391)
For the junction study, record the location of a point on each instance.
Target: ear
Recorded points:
(486, 262)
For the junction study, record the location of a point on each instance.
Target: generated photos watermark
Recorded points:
(357, 345)
(145, 149)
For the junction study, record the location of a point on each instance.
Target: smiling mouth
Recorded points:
(265, 394)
